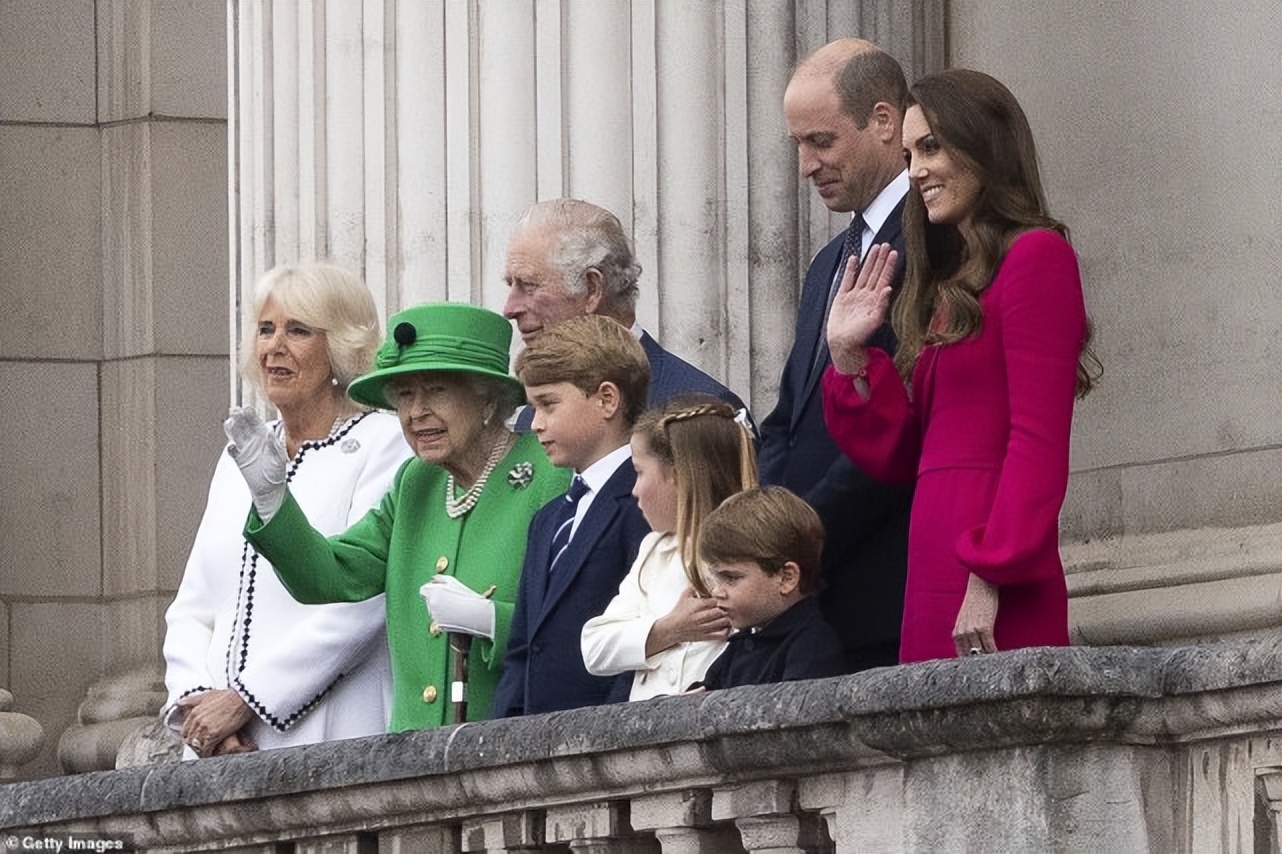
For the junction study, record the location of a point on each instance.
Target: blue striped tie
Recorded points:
(561, 538)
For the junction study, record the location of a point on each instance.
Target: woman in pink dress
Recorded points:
(993, 348)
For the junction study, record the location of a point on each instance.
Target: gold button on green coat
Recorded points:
(429, 694)
(434, 630)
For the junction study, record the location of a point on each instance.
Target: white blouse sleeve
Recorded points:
(615, 641)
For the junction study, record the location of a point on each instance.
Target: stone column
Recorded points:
(113, 349)
(783, 834)
(405, 138)
(689, 174)
(767, 256)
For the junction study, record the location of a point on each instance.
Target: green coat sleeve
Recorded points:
(348, 567)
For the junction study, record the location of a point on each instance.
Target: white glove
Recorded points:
(455, 607)
(261, 458)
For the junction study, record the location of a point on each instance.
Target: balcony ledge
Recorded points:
(1033, 698)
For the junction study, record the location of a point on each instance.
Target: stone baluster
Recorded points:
(682, 822)
(783, 834)
(603, 827)
(21, 738)
(150, 743)
(113, 710)
(768, 820)
(862, 810)
(505, 834)
(354, 843)
(420, 839)
(1268, 809)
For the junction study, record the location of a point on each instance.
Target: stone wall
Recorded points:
(1073, 750)
(113, 334)
(1178, 223)
(1171, 526)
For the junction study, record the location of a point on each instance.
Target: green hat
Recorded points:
(437, 336)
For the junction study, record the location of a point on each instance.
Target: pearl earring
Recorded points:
(333, 381)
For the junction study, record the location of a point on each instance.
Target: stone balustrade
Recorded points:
(1081, 749)
(114, 710)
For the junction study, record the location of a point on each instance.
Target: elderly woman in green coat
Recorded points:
(453, 524)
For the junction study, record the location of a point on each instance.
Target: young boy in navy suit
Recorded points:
(586, 380)
(762, 548)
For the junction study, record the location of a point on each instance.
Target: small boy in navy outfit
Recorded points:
(586, 380)
(761, 547)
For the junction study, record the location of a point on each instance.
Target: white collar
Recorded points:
(878, 211)
(597, 474)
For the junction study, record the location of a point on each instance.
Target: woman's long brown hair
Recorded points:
(982, 127)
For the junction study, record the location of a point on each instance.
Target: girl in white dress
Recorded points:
(663, 625)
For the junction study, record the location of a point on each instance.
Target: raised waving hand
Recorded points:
(860, 307)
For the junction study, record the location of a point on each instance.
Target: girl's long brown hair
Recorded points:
(712, 457)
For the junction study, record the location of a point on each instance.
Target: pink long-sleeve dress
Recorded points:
(985, 433)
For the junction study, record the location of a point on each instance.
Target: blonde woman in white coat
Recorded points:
(248, 667)
(663, 625)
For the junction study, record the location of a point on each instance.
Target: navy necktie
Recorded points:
(851, 247)
(565, 517)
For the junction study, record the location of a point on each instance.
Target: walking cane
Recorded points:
(461, 645)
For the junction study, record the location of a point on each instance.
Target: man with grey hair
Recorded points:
(844, 108)
(568, 257)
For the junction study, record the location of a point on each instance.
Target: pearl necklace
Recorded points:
(458, 506)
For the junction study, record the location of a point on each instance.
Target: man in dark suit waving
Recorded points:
(568, 258)
(844, 109)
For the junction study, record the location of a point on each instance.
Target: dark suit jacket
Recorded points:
(866, 551)
(543, 670)
(797, 644)
(670, 375)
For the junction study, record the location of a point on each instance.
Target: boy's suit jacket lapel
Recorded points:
(535, 573)
(606, 506)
